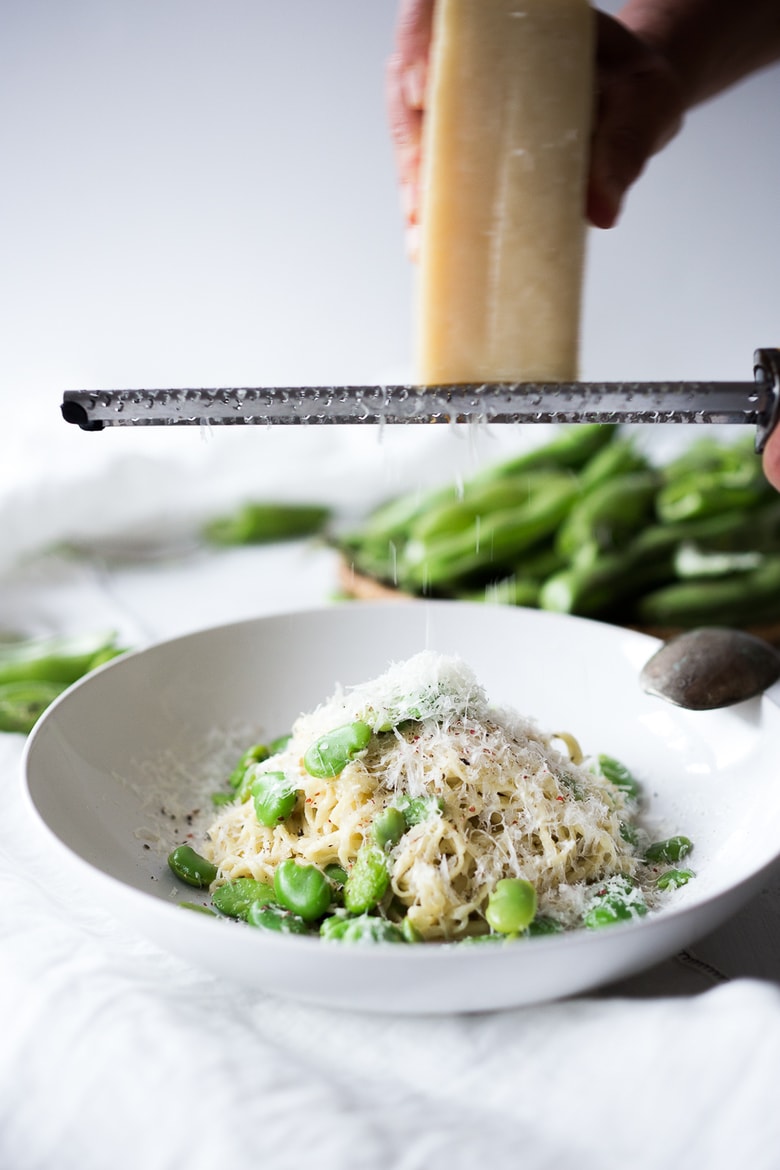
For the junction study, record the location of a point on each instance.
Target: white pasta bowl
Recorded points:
(119, 769)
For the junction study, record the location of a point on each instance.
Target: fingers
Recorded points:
(771, 460)
(639, 108)
(406, 80)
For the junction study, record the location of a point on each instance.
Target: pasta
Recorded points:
(479, 794)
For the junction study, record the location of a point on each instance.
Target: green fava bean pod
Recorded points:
(329, 755)
(190, 868)
(23, 703)
(264, 522)
(367, 883)
(274, 798)
(572, 447)
(619, 775)
(302, 889)
(512, 906)
(59, 659)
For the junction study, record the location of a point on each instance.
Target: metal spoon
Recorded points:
(711, 667)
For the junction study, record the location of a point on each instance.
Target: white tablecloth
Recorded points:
(113, 1053)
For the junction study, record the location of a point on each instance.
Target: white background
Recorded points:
(201, 193)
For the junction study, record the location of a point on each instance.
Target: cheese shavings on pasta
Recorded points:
(501, 800)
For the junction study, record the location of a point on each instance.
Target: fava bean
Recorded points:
(620, 901)
(368, 881)
(190, 868)
(606, 914)
(619, 775)
(271, 917)
(336, 874)
(364, 928)
(220, 798)
(389, 827)
(302, 889)
(237, 897)
(274, 797)
(329, 755)
(511, 906)
(535, 929)
(410, 932)
(543, 926)
(255, 755)
(672, 879)
(418, 808)
(672, 849)
(629, 833)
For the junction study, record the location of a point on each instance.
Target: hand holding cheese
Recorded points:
(657, 60)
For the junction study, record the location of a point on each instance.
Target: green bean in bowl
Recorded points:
(590, 525)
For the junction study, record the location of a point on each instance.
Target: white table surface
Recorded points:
(114, 1053)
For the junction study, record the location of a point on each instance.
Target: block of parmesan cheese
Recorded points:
(505, 155)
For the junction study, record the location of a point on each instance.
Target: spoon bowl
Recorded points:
(711, 667)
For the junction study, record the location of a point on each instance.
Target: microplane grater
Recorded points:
(756, 403)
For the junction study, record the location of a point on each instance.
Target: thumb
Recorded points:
(771, 460)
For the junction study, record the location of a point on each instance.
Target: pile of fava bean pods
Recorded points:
(587, 524)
